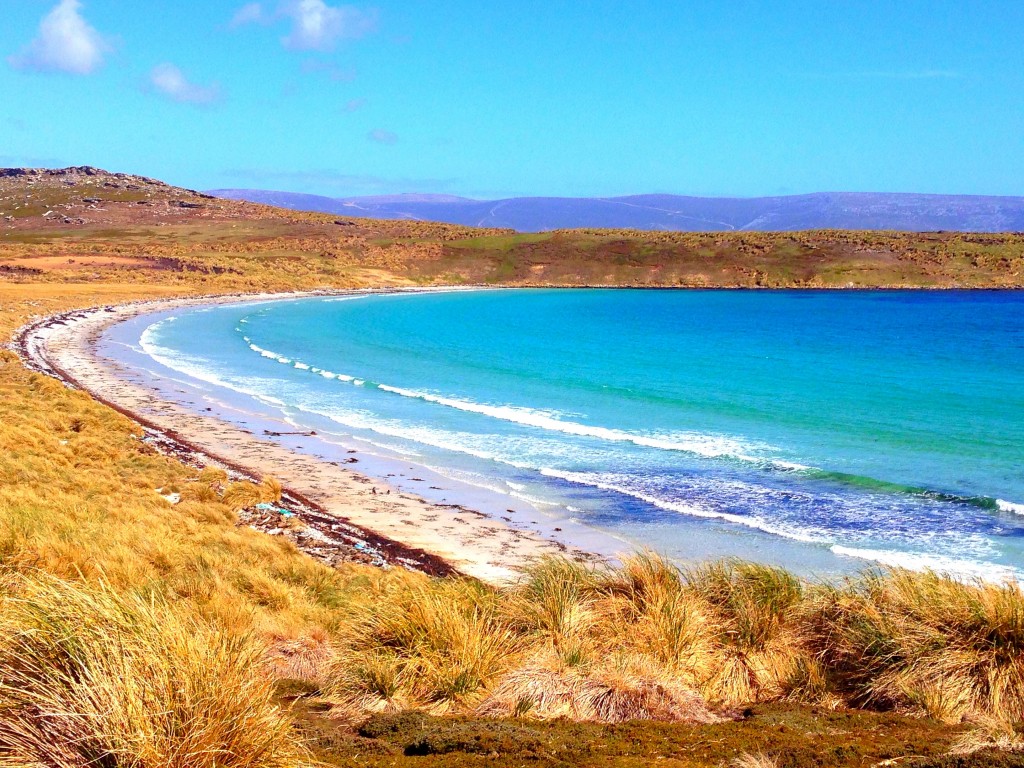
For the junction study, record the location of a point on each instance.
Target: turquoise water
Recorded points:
(863, 426)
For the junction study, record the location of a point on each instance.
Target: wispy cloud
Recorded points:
(250, 13)
(354, 105)
(381, 136)
(167, 80)
(315, 24)
(65, 43)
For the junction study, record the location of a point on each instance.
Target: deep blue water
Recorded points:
(876, 426)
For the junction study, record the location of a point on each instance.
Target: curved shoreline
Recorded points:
(341, 514)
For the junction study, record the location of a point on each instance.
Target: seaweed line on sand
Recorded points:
(327, 537)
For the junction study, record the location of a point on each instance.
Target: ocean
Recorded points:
(823, 431)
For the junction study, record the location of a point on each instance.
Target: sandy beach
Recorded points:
(469, 541)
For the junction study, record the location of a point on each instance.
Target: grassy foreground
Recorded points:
(134, 632)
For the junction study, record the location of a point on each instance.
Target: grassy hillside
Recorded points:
(140, 632)
(178, 237)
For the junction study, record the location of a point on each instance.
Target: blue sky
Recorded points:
(529, 98)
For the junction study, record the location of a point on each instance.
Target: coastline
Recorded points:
(339, 507)
(387, 510)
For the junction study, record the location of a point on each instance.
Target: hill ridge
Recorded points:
(899, 211)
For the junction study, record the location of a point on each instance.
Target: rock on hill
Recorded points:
(841, 210)
(69, 197)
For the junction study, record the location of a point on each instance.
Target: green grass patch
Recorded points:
(499, 242)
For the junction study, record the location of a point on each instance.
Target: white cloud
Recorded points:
(354, 105)
(65, 43)
(169, 81)
(317, 26)
(250, 13)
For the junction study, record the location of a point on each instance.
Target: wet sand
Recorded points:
(468, 541)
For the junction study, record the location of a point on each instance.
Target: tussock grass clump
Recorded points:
(624, 687)
(925, 642)
(557, 601)
(88, 677)
(647, 640)
(242, 494)
(211, 475)
(569, 640)
(649, 601)
(630, 687)
(640, 641)
(435, 645)
(763, 654)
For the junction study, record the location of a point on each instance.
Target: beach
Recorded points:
(469, 541)
(399, 433)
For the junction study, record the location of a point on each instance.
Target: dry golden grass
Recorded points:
(991, 733)
(431, 644)
(649, 641)
(947, 649)
(79, 500)
(754, 760)
(762, 635)
(90, 677)
(643, 641)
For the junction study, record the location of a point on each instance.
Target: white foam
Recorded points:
(264, 352)
(470, 444)
(271, 355)
(533, 500)
(196, 368)
(1009, 506)
(709, 446)
(705, 445)
(336, 299)
(791, 466)
(914, 561)
(685, 509)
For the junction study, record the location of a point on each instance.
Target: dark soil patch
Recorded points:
(794, 736)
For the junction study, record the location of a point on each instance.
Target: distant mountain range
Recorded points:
(823, 210)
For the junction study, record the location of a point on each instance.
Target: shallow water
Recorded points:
(821, 430)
